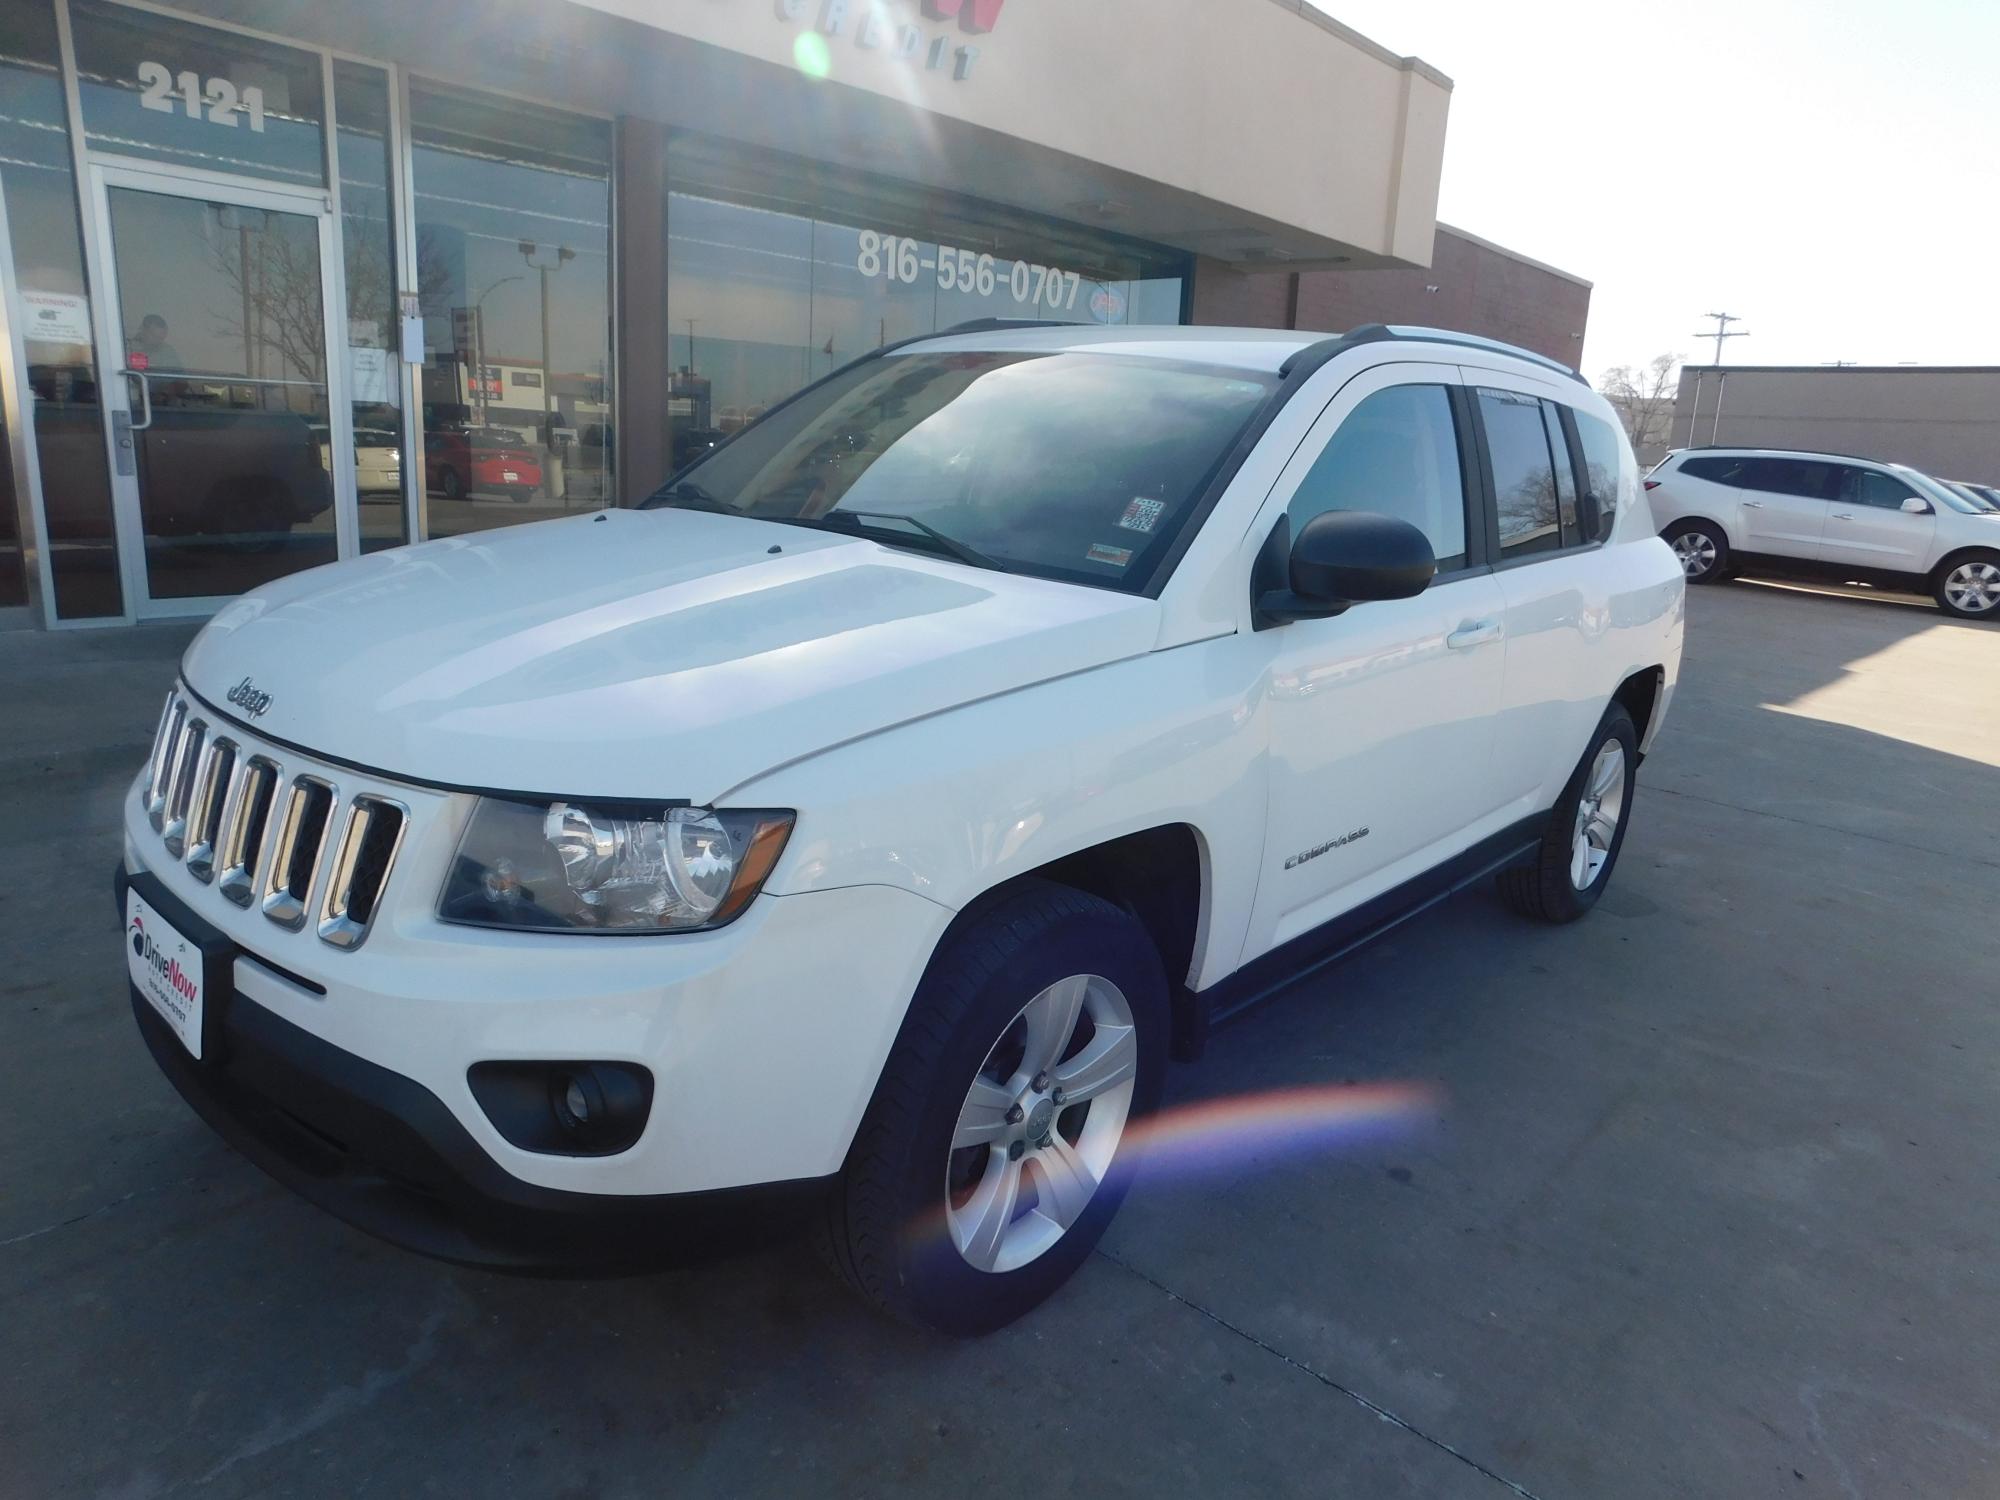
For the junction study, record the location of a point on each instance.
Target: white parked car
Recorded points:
(1823, 515)
(862, 823)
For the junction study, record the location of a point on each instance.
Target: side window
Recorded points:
(1804, 477)
(1601, 462)
(1873, 487)
(1715, 470)
(1397, 453)
(1572, 534)
(1524, 480)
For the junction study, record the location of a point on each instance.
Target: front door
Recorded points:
(221, 395)
(1868, 527)
(1381, 718)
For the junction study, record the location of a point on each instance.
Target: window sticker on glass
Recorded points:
(1116, 557)
(1142, 514)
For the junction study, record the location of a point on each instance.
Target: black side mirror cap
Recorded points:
(1343, 558)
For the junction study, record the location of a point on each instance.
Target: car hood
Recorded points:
(656, 654)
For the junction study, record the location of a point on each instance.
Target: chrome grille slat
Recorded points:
(268, 835)
(166, 763)
(296, 850)
(180, 791)
(361, 865)
(247, 827)
(211, 793)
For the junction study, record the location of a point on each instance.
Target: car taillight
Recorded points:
(1652, 484)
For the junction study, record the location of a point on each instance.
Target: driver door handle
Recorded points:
(1473, 633)
(1843, 515)
(1753, 504)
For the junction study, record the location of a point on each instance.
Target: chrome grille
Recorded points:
(266, 834)
(205, 813)
(296, 850)
(243, 835)
(360, 866)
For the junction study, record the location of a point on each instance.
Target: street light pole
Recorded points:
(563, 253)
(479, 341)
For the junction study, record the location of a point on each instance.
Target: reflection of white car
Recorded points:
(780, 839)
(378, 460)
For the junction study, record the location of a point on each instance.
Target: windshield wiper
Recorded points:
(951, 546)
(687, 495)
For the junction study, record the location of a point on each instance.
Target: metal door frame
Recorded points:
(175, 181)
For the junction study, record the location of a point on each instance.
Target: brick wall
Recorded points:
(1479, 288)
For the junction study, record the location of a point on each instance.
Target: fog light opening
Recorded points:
(578, 1100)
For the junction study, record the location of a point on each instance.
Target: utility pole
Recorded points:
(1722, 331)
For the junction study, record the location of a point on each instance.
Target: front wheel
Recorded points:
(999, 1141)
(1584, 833)
(1969, 587)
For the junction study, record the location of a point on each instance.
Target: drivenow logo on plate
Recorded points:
(165, 968)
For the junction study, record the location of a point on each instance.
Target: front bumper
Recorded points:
(384, 1153)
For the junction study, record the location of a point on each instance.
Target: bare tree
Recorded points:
(1644, 396)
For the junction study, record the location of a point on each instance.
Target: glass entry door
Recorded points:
(224, 443)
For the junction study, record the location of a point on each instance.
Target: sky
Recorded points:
(1829, 172)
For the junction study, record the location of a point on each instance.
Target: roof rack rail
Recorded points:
(1370, 333)
(999, 325)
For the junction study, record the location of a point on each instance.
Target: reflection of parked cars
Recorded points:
(378, 460)
(690, 443)
(872, 858)
(459, 461)
(1828, 516)
(1985, 496)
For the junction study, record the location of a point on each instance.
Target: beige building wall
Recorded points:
(1255, 132)
(1944, 420)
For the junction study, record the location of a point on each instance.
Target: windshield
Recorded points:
(1082, 467)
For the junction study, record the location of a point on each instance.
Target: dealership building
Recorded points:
(294, 280)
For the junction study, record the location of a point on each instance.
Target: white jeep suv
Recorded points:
(861, 824)
(1823, 515)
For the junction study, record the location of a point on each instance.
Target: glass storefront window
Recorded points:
(368, 259)
(513, 221)
(761, 301)
(167, 91)
(51, 308)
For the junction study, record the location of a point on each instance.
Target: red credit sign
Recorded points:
(976, 16)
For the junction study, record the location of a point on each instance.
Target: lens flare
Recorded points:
(811, 55)
(1207, 1138)
(1214, 1136)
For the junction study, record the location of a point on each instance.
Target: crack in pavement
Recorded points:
(1761, 812)
(92, 1213)
(1381, 1412)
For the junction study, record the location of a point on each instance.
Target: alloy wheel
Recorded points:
(1974, 587)
(1696, 550)
(1597, 815)
(1041, 1124)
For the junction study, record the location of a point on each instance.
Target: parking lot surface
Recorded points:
(1701, 1199)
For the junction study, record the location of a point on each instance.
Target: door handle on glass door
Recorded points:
(1473, 633)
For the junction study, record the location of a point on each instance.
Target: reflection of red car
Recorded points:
(459, 462)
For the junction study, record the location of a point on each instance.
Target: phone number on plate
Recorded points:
(902, 259)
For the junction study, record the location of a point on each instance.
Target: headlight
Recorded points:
(609, 866)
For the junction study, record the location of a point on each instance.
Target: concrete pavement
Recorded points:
(1708, 1206)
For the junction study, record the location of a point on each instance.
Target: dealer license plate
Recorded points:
(166, 967)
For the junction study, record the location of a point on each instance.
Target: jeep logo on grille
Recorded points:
(252, 699)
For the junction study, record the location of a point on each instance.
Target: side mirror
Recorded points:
(1916, 505)
(1348, 557)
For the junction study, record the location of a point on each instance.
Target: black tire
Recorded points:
(451, 484)
(1544, 888)
(1700, 538)
(884, 1228)
(1948, 572)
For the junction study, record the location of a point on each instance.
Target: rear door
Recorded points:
(1866, 526)
(1784, 504)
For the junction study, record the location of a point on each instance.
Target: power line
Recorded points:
(1722, 331)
